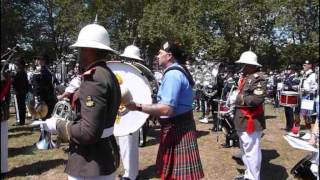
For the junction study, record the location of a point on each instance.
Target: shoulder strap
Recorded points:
(184, 71)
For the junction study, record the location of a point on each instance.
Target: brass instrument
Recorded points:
(37, 111)
(63, 110)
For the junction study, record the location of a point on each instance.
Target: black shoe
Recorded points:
(240, 177)
(125, 178)
(225, 145)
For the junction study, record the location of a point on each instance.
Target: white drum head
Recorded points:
(139, 87)
(289, 93)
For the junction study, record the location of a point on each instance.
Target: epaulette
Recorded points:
(89, 72)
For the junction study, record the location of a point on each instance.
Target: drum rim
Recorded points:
(289, 93)
(141, 73)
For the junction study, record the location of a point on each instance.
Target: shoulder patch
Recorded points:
(258, 91)
(89, 102)
(259, 85)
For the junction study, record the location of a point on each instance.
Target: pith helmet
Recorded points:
(133, 52)
(93, 36)
(249, 57)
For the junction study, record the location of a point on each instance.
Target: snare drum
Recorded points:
(289, 99)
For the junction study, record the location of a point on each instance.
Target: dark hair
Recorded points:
(175, 48)
(21, 62)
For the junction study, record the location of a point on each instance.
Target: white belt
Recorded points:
(107, 132)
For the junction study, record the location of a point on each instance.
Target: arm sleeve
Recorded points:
(89, 130)
(170, 88)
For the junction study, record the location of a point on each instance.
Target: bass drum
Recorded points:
(149, 75)
(140, 89)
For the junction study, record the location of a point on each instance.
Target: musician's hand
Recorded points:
(132, 106)
(126, 96)
(51, 125)
(60, 97)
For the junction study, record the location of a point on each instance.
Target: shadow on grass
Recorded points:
(21, 150)
(148, 173)
(154, 133)
(269, 170)
(35, 168)
(202, 133)
(21, 128)
(270, 117)
(19, 134)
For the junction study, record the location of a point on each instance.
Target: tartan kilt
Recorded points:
(178, 155)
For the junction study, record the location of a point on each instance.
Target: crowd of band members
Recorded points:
(289, 79)
(41, 82)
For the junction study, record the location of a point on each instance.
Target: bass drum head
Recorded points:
(139, 87)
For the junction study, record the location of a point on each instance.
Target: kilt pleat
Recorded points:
(178, 156)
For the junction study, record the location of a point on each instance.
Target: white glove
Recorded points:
(50, 125)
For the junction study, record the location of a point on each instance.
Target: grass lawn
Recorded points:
(26, 162)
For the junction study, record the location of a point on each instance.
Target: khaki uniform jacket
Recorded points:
(253, 95)
(90, 155)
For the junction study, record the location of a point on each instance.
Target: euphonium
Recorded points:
(63, 110)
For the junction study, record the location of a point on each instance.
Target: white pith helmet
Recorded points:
(249, 57)
(93, 36)
(132, 52)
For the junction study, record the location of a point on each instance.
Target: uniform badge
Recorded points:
(89, 102)
(259, 85)
(258, 91)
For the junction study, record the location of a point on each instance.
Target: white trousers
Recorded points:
(4, 146)
(108, 177)
(250, 145)
(129, 151)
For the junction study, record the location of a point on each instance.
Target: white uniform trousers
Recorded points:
(129, 151)
(4, 146)
(250, 145)
(108, 177)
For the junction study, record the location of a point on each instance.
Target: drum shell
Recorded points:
(289, 99)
